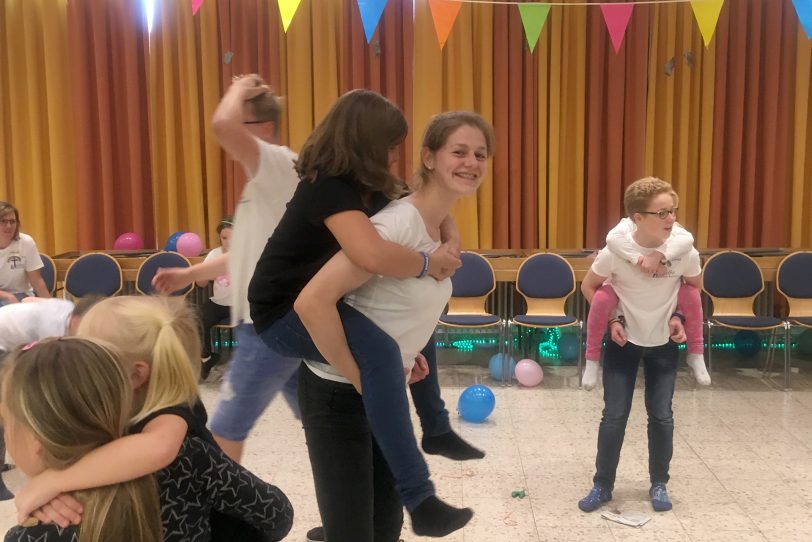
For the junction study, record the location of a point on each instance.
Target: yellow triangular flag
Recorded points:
(707, 15)
(287, 9)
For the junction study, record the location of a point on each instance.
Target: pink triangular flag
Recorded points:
(444, 13)
(617, 19)
(196, 6)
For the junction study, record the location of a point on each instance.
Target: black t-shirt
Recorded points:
(302, 244)
(205, 496)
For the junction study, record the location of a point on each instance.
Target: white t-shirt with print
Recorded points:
(16, 260)
(221, 286)
(261, 206)
(646, 302)
(22, 323)
(406, 309)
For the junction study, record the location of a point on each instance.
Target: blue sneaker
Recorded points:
(595, 499)
(659, 498)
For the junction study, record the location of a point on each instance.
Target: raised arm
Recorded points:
(316, 307)
(227, 122)
(368, 250)
(122, 460)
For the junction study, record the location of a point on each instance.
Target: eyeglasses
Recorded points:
(8, 222)
(255, 121)
(662, 214)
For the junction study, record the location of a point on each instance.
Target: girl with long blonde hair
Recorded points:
(62, 399)
(204, 494)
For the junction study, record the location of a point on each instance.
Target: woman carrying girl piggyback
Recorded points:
(63, 398)
(204, 495)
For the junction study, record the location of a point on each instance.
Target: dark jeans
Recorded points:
(619, 374)
(426, 396)
(387, 407)
(211, 314)
(354, 488)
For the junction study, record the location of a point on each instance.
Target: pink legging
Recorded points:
(605, 300)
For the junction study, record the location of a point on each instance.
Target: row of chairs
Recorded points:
(98, 273)
(731, 279)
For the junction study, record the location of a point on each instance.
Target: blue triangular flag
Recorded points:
(804, 9)
(371, 11)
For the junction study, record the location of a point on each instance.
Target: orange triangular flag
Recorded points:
(444, 13)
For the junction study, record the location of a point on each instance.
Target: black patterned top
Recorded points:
(205, 496)
(43, 532)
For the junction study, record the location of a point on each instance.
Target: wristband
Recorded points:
(620, 320)
(680, 316)
(425, 270)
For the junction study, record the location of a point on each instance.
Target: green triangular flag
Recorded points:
(533, 18)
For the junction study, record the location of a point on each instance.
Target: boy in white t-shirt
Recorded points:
(217, 308)
(604, 302)
(649, 332)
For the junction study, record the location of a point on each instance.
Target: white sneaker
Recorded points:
(697, 364)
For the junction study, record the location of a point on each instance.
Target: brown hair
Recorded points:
(227, 222)
(354, 139)
(640, 193)
(74, 396)
(6, 208)
(267, 107)
(441, 127)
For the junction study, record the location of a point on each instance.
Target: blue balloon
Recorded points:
(172, 241)
(476, 403)
(495, 366)
(568, 347)
(747, 343)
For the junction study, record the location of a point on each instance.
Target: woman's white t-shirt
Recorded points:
(16, 260)
(406, 309)
(646, 302)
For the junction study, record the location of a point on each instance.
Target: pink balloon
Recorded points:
(190, 245)
(128, 241)
(529, 373)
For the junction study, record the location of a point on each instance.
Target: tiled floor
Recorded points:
(742, 467)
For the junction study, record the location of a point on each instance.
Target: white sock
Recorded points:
(697, 364)
(590, 377)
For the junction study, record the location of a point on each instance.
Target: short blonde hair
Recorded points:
(74, 396)
(640, 193)
(160, 331)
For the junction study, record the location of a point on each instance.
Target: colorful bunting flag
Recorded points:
(444, 13)
(617, 18)
(707, 15)
(533, 18)
(196, 6)
(804, 9)
(287, 9)
(371, 11)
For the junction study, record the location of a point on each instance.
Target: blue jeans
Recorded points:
(619, 374)
(254, 376)
(426, 396)
(387, 408)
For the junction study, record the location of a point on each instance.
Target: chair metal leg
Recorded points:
(507, 351)
(787, 356)
(768, 363)
(710, 349)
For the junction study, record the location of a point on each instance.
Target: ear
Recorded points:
(140, 374)
(427, 157)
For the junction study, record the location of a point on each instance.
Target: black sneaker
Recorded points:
(316, 534)
(207, 365)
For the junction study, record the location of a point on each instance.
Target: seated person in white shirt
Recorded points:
(217, 308)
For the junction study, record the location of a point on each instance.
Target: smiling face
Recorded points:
(460, 164)
(9, 227)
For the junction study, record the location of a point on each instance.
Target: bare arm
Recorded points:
(122, 460)
(590, 284)
(175, 278)
(368, 250)
(694, 281)
(227, 122)
(316, 306)
(38, 283)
